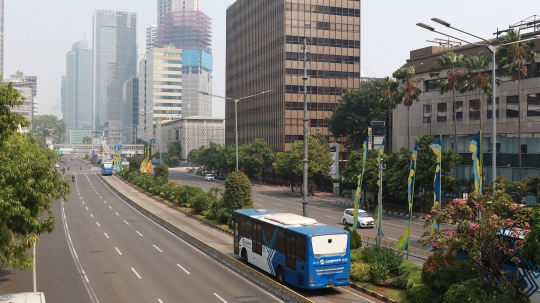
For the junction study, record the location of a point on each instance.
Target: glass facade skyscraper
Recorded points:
(78, 94)
(115, 61)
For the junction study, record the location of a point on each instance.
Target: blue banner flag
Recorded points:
(358, 196)
(476, 149)
(403, 241)
(437, 150)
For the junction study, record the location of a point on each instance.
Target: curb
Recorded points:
(352, 285)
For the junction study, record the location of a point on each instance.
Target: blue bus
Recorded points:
(296, 250)
(106, 168)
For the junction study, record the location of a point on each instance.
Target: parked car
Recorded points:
(57, 165)
(209, 177)
(364, 219)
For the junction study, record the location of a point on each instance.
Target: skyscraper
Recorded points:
(27, 86)
(78, 94)
(115, 61)
(264, 51)
(164, 6)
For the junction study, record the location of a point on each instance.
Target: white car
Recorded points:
(364, 219)
(57, 165)
(209, 177)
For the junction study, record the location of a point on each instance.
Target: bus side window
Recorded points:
(280, 241)
(291, 251)
(268, 233)
(301, 248)
(256, 241)
(247, 231)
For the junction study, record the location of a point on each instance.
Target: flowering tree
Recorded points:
(490, 232)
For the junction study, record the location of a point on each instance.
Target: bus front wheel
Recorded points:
(244, 255)
(280, 275)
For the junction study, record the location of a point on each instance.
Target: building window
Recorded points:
(474, 109)
(512, 107)
(533, 105)
(427, 113)
(457, 111)
(490, 108)
(441, 112)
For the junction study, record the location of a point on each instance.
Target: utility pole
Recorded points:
(305, 160)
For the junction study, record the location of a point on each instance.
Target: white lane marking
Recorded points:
(333, 217)
(278, 204)
(183, 269)
(117, 214)
(80, 197)
(258, 199)
(139, 233)
(159, 301)
(78, 264)
(110, 207)
(158, 248)
(101, 198)
(220, 297)
(118, 250)
(87, 208)
(126, 222)
(106, 235)
(136, 273)
(98, 224)
(92, 216)
(83, 202)
(104, 201)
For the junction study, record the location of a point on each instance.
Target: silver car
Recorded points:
(364, 219)
(209, 177)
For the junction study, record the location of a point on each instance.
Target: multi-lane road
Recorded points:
(322, 209)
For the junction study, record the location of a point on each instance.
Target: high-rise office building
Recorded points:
(63, 99)
(151, 37)
(27, 87)
(78, 94)
(115, 61)
(264, 51)
(160, 90)
(164, 6)
(130, 119)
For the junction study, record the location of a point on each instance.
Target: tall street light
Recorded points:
(493, 49)
(236, 114)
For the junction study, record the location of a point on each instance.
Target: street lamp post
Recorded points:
(493, 49)
(235, 114)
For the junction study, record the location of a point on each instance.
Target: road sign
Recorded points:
(59, 152)
(152, 141)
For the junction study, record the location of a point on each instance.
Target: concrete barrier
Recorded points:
(242, 269)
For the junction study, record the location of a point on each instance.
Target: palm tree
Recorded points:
(408, 91)
(388, 101)
(513, 59)
(452, 82)
(474, 79)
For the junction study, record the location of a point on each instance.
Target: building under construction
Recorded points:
(185, 30)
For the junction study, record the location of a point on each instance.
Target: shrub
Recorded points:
(445, 276)
(161, 172)
(185, 192)
(421, 293)
(415, 277)
(439, 259)
(360, 272)
(200, 203)
(238, 191)
(388, 257)
(356, 255)
(224, 215)
(357, 239)
(400, 281)
(135, 163)
(380, 273)
(213, 207)
(406, 267)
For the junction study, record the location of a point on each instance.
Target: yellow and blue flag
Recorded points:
(437, 150)
(358, 196)
(476, 149)
(403, 241)
(378, 210)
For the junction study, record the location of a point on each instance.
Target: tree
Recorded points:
(480, 238)
(256, 157)
(388, 100)
(87, 140)
(9, 121)
(354, 113)
(237, 193)
(48, 126)
(452, 82)
(531, 247)
(161, 172)
(513, 59)
(533, 187)
(408, 91)
(135, 162)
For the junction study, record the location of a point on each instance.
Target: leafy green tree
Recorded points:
(48, 126)
(237, 193)
(531, 247)
(354, 113)
(256, 157)
(397, 173)
(175, 149)
(135, 163)
(87, 140)
(388, 100)
(161, 172)
(194, 154)
(408, 91)
(319, 158)
(9, 121)
(452, 82)
(533, 187)
(211, 156)
(513, 59)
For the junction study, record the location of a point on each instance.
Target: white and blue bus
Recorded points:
(106, 168)
(296, 250)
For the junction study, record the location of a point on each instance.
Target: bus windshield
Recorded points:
(327, 245)
(107, 165)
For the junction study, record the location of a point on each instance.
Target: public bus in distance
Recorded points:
(296, 250)
(106, 168)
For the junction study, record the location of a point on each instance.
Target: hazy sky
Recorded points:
(39, 33)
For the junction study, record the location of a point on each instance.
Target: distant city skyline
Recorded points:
(388, 34)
